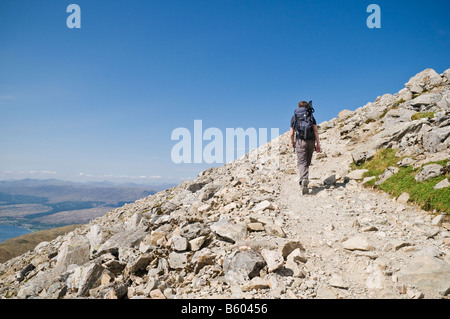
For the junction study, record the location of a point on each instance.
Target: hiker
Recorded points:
(306, 140)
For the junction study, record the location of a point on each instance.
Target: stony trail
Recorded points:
(356, 238)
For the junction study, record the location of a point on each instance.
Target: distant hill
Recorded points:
(16, 246)
(55, 191)
(42, 204)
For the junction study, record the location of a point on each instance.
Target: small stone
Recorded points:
(369, 228)
(274, 230)
(229, 231)
(397, 244)
(179, 243)
(357, 174)
(178, 260)
(263, 205)
(255, 226)
(249, 261)
(157, 294)
(330, 180)
(437, 221)
(442, 184)
(290, 246)
(255, 283)
(403, 198)
(197, 243)
(357, 243)
(338, 282)
(273, 258)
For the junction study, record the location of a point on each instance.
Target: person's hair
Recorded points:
(303, 104)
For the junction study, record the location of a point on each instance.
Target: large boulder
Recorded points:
(437, 140)
(229, 231)
(444, 103)
(428, 273)
(249, 261)
(75, 251)
(424, 81)
(426, 100)
(429, 171)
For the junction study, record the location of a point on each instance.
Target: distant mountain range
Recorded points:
(41, 204)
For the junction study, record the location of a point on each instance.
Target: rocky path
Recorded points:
(357, 239)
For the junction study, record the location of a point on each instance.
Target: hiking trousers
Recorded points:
(305, 150)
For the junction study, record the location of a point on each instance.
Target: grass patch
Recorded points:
(397, 104)
(419, 115)
(379, 162)
(421, 193)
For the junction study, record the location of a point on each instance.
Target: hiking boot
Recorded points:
(304, 186)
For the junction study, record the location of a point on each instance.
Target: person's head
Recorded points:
(303, 104)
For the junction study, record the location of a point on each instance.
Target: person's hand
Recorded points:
(318, 149)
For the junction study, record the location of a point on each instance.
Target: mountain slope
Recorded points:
(244, 231)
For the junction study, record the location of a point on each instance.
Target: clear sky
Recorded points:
(101, 102)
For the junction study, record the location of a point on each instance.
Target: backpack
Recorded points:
(303, 123)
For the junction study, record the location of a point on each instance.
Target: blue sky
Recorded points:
(101, 102)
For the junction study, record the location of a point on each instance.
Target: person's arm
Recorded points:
(316, 134)
(292, 137)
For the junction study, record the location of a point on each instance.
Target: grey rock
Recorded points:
(249, 261)
(90, 275)
(437, 221)
(287, 247)
(389, 172)
(429, 171)
(127, 238)
(425, 80)
(437, 140)
(209, 191)
(429, 274)
(263, 205)
(197, 243)
(74, 251)
(179, 243)
(330, 180)
(357, 242)
(229, 231)
(274, 259)
(194, 187)
(403, 198)
(357, 174)
(442, 184)
(178, 261)
(407, 161)
(274, 230)
(338, 282)
(426, 99)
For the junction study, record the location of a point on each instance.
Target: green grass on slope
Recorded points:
(421, 193)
